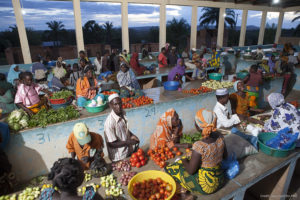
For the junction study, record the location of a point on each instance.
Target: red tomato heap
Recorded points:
(143, 100)
(153, 189)
(108, 92)
(138, 159)
(201, 89)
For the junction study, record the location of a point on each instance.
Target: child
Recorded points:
(75, 75)
(199, 72)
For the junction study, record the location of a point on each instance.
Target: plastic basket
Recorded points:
(263, 137)
(215, 76)
(152, 174)
(95, 109)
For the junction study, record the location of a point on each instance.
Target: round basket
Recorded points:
(59, 101)
(215, 76)
(263, 137)
(151, 174)
(95, 109)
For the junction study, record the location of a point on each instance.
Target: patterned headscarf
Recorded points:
(207, 121)
(275, 100)
(235, 85)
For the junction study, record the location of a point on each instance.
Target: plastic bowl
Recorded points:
(63, 105)
(151, 174)
(263, 137)
(171, 85)
(215, 76)
(59, 101)
(95, 109)
(242, 75)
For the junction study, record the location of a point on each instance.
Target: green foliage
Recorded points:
(177, 32)
(211, 16)
(64, 94)
(270, 32)
(92, 32)
(190, 138)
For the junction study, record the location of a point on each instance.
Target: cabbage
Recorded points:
(16, 114)
(16, 127)
(23, 123)
(25, 117)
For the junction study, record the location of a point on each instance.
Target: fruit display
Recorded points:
(138, 159)
(17, 120)
(82, 190)
(109, 182)
(191, 138)
(154, 189)
(213, 84)
(122, 166)
(142, 100)
(108, 92)
(126, 177)
(200, 90)
(161, 154)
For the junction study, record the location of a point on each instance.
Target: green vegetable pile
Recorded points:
(45, 117)
(64, 94)
(17, 120)
(191, 138)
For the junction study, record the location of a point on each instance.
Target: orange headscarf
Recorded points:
(207, 121)
(162, 133)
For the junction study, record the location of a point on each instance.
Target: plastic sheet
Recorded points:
(231, 166)
(283, 140)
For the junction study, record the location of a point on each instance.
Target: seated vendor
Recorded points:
(168, 131)
(199, 72)
(7, 91)
(121, 142)
(86, 88)
(195, 55)
(178, 72)
(58, 70)
(75, 75)
(86, 145)
(27, 96)
(67, 175)
(240, 103)
(129, 86)
(202, 173)
(135, 65)
(13, 75)
(252, 82)
(264, 66)
(224, 119)
(59, 84)
(284, 115)
(162, 58)
(215, 59)
(271, 64)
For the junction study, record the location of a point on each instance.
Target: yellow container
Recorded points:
(152, 174)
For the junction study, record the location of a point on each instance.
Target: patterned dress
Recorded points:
(209, 177)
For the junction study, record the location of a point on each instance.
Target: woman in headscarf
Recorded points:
(240, 103)
(202, 173)
(135, 65)
(86, 87)
(168, 131)
(178, 72)
(13, 74)
(129, 86)
(58, 70)
(284, 115)
(6, 95)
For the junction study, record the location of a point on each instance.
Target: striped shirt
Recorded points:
(116, 129)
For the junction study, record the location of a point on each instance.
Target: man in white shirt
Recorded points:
(97, 63)
(223, 117)
(119, 139)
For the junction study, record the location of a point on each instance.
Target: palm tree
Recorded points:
(177, 32)
(108, 27)
(211, 16)
(296, 19)
(56, 28)
(92, 32)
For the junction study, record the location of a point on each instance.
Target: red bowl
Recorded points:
(59, 101)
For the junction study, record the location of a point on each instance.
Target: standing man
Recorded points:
(119, 139)
(162, 58)
(97, 63)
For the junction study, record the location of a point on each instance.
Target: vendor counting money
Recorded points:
(86, 145)
(120, 140)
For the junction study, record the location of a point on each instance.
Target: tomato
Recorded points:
(169, 187)
(188, 150)
(161, 191)
(133, 155)
(135, 159)
(133, 164)
(162, 163)
(143, 162)
(141, 157)
(138, 164)
(178, 153)
(175, 149)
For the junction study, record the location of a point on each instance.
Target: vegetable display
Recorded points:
(126, 177)
(138, 159)
(87, 176)
(113, 189)
(64, 94)
(83, 189)
(45, 117)
(108, 92)
(190, 139)
(136, 102)
(153, 189)
(200, 90)
(18, 119)
(122, 166)
(213, 84)
(30, 193)
(161, 154)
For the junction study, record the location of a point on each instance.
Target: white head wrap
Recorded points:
(221, 92)
(111, 97)
(235, 85)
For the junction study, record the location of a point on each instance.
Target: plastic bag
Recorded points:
(283, 140)
(104, 74)
(231, 166)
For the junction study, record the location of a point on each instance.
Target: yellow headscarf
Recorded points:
(206, 120)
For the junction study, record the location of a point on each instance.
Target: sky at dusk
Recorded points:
(37, 12)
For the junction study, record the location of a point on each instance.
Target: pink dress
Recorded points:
(28, 95)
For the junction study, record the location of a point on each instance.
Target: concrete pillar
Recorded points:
(243, 28)
(125, 33)
(162, 25)
(193, 39)
(78, 25)
(22, 32)
(221, 27)
(262, 28)
(279, 26)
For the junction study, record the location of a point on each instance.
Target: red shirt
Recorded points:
(163, 59)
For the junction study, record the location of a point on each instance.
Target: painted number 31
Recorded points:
(43, 137)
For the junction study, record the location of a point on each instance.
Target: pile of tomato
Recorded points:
(161, 154)
(153, 189)
(200, 90)
(108, 92)
(138, 159)
(142, 100)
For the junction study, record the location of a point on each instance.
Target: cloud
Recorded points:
(255, 15)
(272, 15)
(144, 18)
(50, 12)
(173, 7)
(289, 16)
(173, 13)
(108, 3)
(143, 5)
(5, 9)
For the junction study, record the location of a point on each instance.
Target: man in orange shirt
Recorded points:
(87, 146)
(162, 58)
